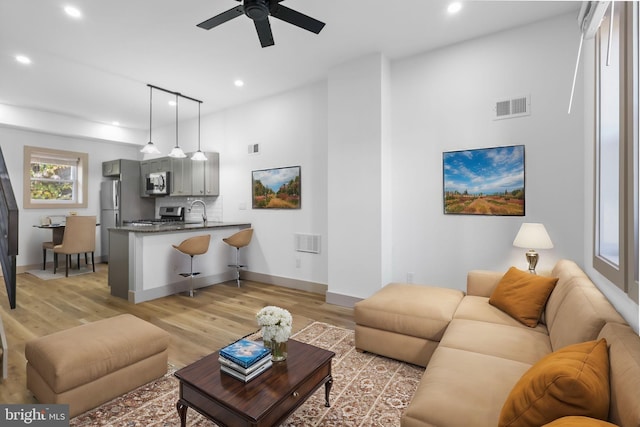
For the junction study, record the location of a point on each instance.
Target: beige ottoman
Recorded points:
(91, 364)
(405, 321)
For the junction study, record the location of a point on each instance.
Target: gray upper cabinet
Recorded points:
(205, 176)
(180, 177)
(188, 177)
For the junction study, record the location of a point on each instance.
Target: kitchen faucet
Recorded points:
(204, 207)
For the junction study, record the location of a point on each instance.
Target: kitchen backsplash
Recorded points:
(214, 207)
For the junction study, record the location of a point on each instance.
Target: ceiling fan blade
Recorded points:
(222, 18)
(296, 18)
(263, 27)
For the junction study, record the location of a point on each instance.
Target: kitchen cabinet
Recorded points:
(180, 177)
(205, 176)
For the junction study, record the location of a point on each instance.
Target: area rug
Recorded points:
(48, 274)
(368, 390)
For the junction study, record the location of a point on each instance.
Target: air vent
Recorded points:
(510, 108)
(253, 149)
(307, 243)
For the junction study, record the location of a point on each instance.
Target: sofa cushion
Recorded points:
(570, 381)
(624, 374)
(520, 344)
(522, 295)
(454, 389)
(478, 308)
(581, 315)
(416, 310)
(575, 421)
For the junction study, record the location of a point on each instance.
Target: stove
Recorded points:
(168, 215)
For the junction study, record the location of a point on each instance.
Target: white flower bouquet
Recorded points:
(275, 323)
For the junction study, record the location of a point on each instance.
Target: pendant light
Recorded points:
(149, 147)
(199, 155)
(177, 151)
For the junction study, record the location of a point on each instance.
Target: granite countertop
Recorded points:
(169, 227)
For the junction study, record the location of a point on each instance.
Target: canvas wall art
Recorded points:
(485, 181)
(277, 188)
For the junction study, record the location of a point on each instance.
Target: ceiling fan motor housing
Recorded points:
(256, 9)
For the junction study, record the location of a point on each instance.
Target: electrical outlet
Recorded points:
(409, 277)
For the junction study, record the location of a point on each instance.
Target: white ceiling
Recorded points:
(97, 68)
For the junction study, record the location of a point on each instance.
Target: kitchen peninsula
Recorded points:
(143, 265)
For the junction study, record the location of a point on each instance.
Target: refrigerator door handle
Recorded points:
(116, 195)
(117, 220)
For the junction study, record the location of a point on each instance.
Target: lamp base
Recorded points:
(532, 259)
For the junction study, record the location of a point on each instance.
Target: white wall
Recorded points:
(291, 130)
(357, 188)
(443, 101)
(12, 142)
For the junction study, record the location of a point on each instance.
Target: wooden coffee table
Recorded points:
(267, 400)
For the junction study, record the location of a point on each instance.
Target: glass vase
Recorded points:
(278, 350)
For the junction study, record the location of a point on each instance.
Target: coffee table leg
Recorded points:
(327, 390)
(182, 412)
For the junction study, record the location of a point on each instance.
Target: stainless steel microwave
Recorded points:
(157, 184)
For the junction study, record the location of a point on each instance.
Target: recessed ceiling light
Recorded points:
(73, 12)
(115, 123)
(238, 83)
(172, 103)
(454, 7)
(23, 59)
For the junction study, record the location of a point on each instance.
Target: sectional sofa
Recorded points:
(491, 364)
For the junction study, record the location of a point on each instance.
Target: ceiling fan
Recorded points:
(259, 11)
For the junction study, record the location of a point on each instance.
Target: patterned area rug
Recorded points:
(368, 390)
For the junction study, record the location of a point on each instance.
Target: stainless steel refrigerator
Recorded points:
(120, 199)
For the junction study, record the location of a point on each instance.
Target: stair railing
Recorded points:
(8, 232)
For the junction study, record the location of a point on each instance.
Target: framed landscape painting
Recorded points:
(277, 188)
(485, 181)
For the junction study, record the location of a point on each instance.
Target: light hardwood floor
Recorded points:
(198, 326)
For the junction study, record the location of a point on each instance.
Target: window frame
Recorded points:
(81, 180)
(625, 274)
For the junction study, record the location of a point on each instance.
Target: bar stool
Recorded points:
(239, 240)
(192, 246)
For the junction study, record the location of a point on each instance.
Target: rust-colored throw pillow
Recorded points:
(571, 381)
(574, 421)
(523, 295)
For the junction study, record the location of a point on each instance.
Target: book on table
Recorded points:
(248, 377)
(244, 371)
(244, 353)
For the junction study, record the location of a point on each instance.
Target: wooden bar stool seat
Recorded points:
(193, 246)
(239, 240)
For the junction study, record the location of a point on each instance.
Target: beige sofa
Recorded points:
(474, 360)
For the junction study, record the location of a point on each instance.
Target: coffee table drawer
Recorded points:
(297, 397)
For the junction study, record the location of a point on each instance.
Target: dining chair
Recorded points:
(79, 237)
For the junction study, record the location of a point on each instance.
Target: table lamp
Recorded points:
(532, 235)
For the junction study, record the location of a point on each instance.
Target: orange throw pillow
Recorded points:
(523, 295)
(571, 381)
(578, 422)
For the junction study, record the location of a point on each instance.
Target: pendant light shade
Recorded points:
(149, 147)
(199, 155)
(177, 151)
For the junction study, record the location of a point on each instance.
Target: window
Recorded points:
(616, 149)
(54, 178)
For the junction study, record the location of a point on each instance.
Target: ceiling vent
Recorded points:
(307, 243)
(510, 108)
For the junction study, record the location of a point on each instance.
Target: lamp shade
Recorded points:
(533, 236)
